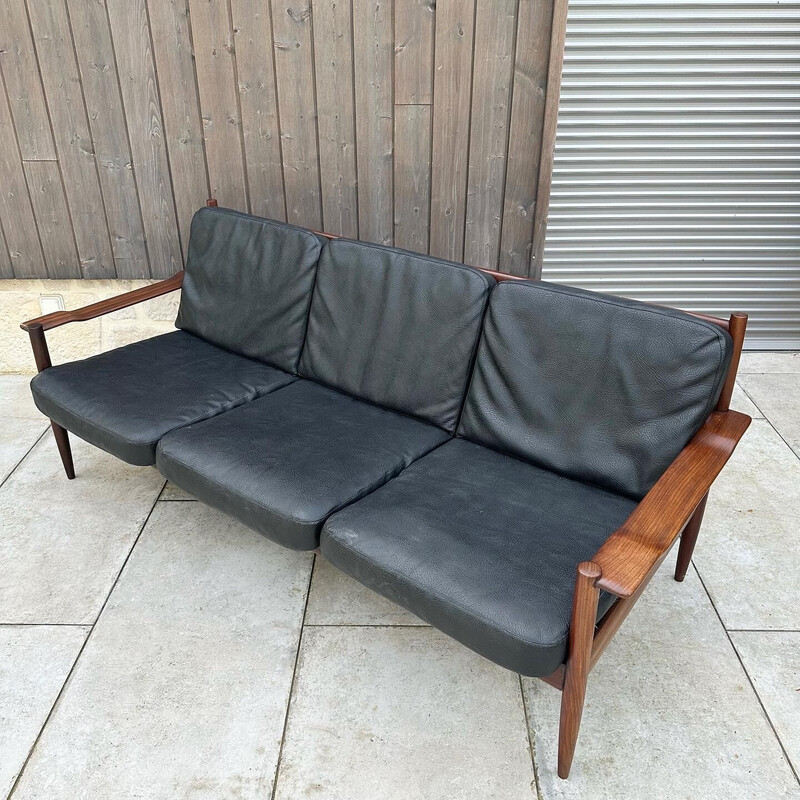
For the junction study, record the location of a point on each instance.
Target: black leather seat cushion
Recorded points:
(395, 328)
(125, 400)
(481, 545)
(248, 284)
(598, 388)
(283, 463)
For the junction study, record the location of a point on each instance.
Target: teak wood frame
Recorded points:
(625, 563)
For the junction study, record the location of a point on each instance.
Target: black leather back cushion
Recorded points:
(248, 284)
(394, 328)
(597, 388)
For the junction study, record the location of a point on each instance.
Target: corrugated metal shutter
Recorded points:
(677, 167)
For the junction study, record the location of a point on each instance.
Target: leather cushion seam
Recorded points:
(286, 518)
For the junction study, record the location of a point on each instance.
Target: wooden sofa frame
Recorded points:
(625, 563)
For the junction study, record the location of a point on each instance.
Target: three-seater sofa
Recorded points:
(510, 460)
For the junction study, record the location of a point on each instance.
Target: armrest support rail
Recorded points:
(57, 318)
(629, 556)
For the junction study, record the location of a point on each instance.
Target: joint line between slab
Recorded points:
(531, 745)
(763, 630)
(747, 395)
(45, 625)
(294, 680)
(177, 500)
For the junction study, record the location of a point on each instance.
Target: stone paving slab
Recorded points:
(63, 542)
(772, 659)
(182, 688)
(16, 399)
(34, 663)
(747, 552)
(17, 436)
(754, 361)
(21, 423)
(402, 713)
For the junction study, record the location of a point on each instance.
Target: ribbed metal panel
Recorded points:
(677, 167)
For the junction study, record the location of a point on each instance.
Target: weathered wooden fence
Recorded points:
(411, 122)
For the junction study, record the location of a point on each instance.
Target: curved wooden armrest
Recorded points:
(631, 553)
(57, 318)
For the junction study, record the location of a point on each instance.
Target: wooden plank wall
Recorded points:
(408, 122)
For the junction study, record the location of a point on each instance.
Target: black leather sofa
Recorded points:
(459, 445)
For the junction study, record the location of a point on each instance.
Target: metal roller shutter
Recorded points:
(677, 166)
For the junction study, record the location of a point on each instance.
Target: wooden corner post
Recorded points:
(41, 355)
(737, 325)
(579, 661)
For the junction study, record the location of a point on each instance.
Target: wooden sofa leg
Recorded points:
(689, 539)
(41, 355)
(581, 636)
(64, 449)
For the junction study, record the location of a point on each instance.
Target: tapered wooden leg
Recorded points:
(581, 635)
(64, 450)
(689, 539)
(42, 357)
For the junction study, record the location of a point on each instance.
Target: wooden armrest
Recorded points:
(57, 318)
(632, 552)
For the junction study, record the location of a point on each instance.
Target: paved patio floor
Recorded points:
(152, 648)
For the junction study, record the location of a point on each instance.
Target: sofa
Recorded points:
(510, 460)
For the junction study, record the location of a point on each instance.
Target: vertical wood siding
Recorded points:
(408, 122)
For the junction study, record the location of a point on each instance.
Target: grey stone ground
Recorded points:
(150, 647)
